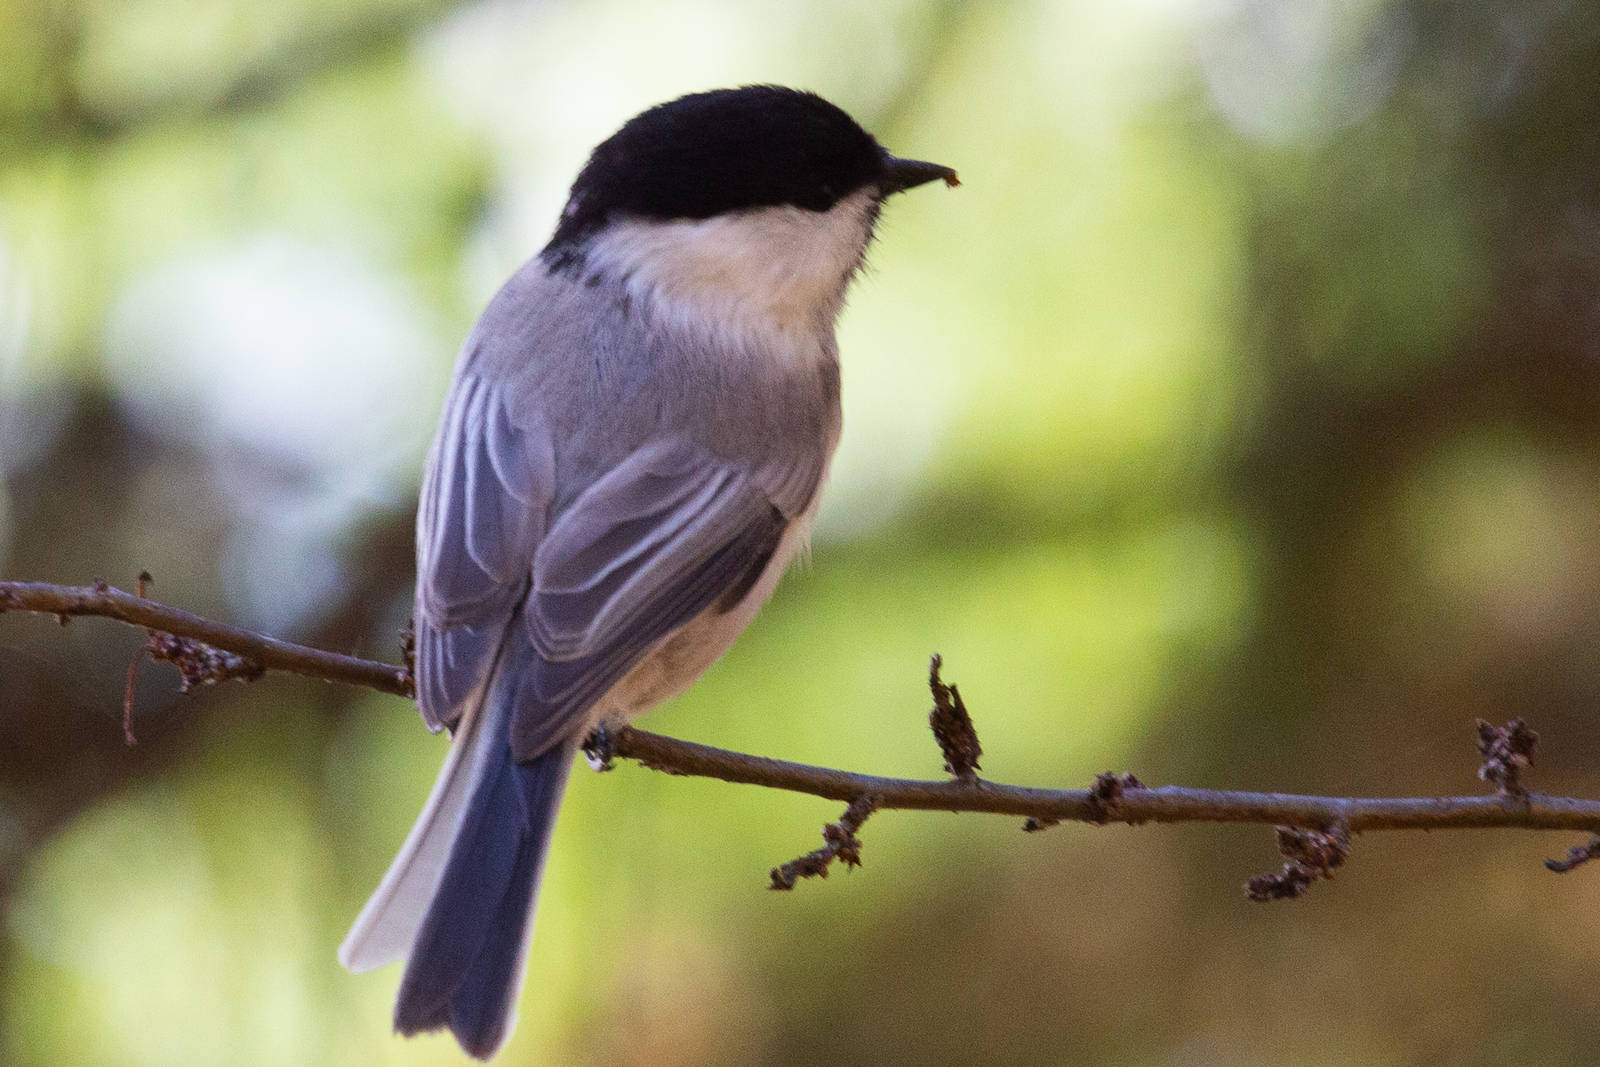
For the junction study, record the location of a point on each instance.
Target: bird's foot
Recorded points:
(597, 749)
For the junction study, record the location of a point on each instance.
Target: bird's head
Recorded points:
(755, 200)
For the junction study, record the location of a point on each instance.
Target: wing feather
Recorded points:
(643, 551)
(480, 519)
(664, 536)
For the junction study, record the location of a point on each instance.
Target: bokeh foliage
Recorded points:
(1237, 423)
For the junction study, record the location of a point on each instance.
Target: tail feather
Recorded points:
(483, 1005)
(387, 927)
(466, 966)
(459, 898)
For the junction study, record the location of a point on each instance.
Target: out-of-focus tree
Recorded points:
(1237, 422)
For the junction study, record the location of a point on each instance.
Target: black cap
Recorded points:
(710, 153)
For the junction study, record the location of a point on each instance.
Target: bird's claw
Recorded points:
(597, 749)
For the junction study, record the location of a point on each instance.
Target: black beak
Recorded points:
(902, 174)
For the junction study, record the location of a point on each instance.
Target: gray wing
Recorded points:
(485, 495)
(646, 548)
(670, 533)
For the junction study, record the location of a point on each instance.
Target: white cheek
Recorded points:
(784, 266)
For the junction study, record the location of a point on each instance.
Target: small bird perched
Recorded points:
(631, 452)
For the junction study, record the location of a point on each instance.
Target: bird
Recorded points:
(631, 452)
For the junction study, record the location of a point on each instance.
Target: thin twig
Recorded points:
(839, 842)
(1165, 804)
(1577, 856)
(68, 601)
(1133, 806)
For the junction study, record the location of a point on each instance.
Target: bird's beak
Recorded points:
(902, 174)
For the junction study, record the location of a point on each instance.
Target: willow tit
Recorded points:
(630, 454)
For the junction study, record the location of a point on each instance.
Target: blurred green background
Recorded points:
(1237, 423)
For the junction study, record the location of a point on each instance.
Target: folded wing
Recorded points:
(667, 535)
(482, 514)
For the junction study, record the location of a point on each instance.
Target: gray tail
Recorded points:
(465, 966)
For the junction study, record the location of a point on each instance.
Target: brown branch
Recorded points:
(1113, 800)
(1164, 804)
(1577, 856)
(839, 842)
(68, 601)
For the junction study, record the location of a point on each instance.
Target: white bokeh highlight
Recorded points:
(275, 355)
